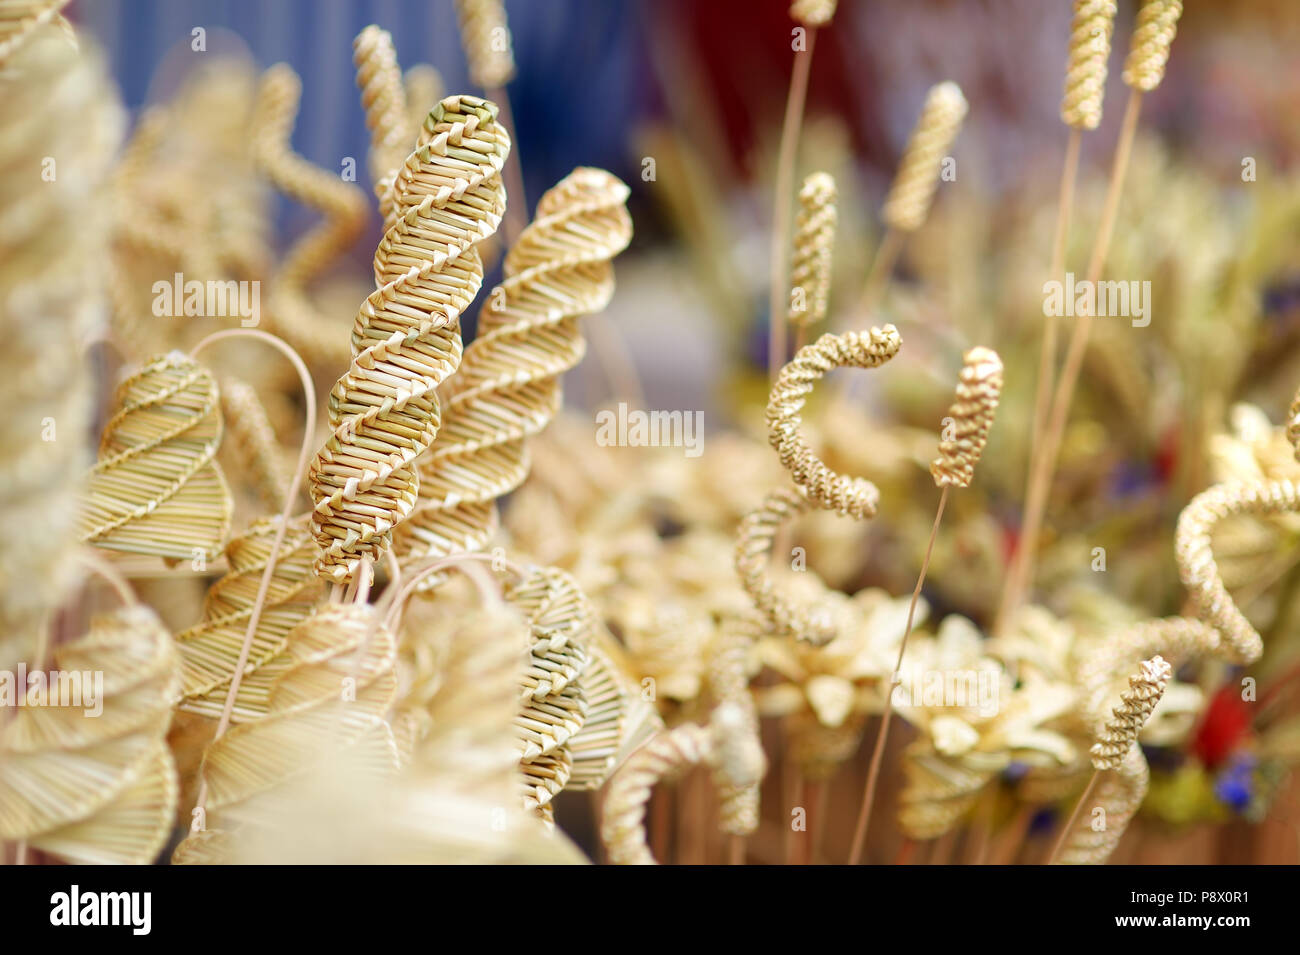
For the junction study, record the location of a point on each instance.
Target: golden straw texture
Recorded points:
(250, 437)
(1085, 71)
(384, 411)
(98, 790)
(508, 388)
(1136, 703)
(55, 105)
(971, 414)
(813, 13)
(156, 488)
(1157, 22)
(343, 205)
(384, 100)
(424, 87)
(486, 38)
(20, 19)
(1118, 795)
(908, 202)
(851, 496)
(814, 241)
(1198, 570)
(740, 765)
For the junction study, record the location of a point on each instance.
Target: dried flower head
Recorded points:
(1085, 72)
(914, 186)
(966, 429)
(1136, 703)
(1148, 51)
(814, 240)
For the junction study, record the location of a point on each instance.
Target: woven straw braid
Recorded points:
(1198, 570)
(813, 13)
(735, 777)
(342, 205)
(754, 539)
(596, 746)
(908, 202)
(392, 132)
(1085, 71)
(20, 19)
(814, 242)
(1120, 732)
(102, 790)
(250, 437)
(1148, 51)
(850, 496)
(54, 103)
(156, 488)
(937, 794)
(1120, 794)
(508, 387)
(210, 650)
(486, 38)
(978, 390)
(384, 411)
(1176, 639)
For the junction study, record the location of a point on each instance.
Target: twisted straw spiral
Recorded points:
(814, 241)
(1157, 22)
(343, 206)
(978, 390)
(914, 185)
(156, 488)
(740, 765)
(508, 388)
(486, 38)
(20, 19)
(251, 438)
(384, 100)
(1119, 795)
(1085, 71)
(851, 496)
(384, 411)
(1136, 703)
(103, 790)
(813, 13)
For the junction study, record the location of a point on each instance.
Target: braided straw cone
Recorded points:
(55, 105)
(103, 790)
(292, 312)
(1085, 71)
(1120, 732)
(156, 488)
(21, 19)
(908, 202)
(813, 13)
(971, 414)
(485, 37)
(1153, 35)
(814, 241)
(508, 388)
(384, 411)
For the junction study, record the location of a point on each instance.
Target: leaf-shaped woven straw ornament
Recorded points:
(384, 411)
(908, 202)
(814, 242)
(55, 104)
(1153, 35)
(485, 37)
(21, 19)
(508, 387)
(343, 205)
(156, 488)
(970, 418)
(1085, 71)
(336, 683)
(96, 787)
(210, 650)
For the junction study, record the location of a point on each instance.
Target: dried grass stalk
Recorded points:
(1085, 71)
(485, 36)
(814, 241)
(1157, 22)
(908, 202)
(971, 414)
(384, 411)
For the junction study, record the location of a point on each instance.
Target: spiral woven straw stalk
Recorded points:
(384, 411)
(156, 488)
(917, 179)
(1120, 731)
(485, 37)
(970, 419)
(1119, 795)
(814, 242)
(392, 134)
(1085, 71)
(508, 387)
(48, 753)
(1153, 35)
(741, 763)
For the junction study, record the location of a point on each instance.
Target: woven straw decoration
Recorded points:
(156, 488)
(485, 37)
(917, 179)
(21, 19)
(978, 390)
(338, 684)
(54, 103)
(1148, 52)
(392, 132)
(595, 747)
(508, 387)
(736, 776)
(814, 241)
(251, 439)
(813, 13)
(424, 87)
(849, 496)
(1120, 794)
(210, 650)
(1085, 71)
(102, 790)
(384, 411)
(938, 793)
(343, 205)
(1120, 732)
